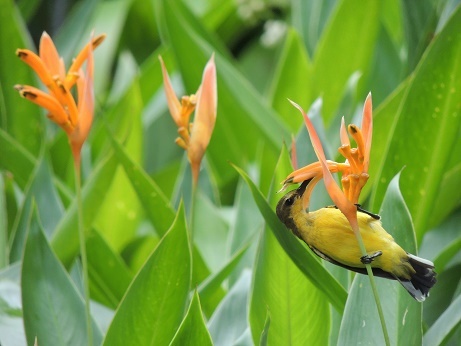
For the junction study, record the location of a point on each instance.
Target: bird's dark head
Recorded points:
(285, 206)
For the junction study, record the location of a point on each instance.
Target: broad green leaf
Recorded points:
(16, 159)
(304, 259)
(278, 287)
(401, 312)
(243, 119)
(419, 21)
(441, 330)
(40, 189)
(153, 306)
(53, 310)
(192, 330)
(65, 241)
(422, 147)
(109, 275)
(346, 46)
(309, 19)
(229, 321)
(121, 212)
(290, 80)
(155, 203)
(22, 119)
(210, 289)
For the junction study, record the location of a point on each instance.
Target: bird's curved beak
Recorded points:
(300, 190)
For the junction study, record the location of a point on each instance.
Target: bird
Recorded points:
(328, 234)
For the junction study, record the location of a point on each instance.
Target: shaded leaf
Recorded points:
(53, 310)
(154, 304)
(193, 329)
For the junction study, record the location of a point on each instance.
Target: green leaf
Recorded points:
(65, 240)
(279, 285)
(441, 330)
(192, 330)
(228, 322)
(433, 95)
(401, 312)
(109, 276)
(22, 119)
(289, 81)
(210, 289)
(153, 306)
(16, 159)
(346, 46)
(306, 261)
(54, 312)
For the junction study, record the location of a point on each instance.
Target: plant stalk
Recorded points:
(83, 256)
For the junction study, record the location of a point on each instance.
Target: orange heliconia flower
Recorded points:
(75, 118)
(354, 170)
(194, 137)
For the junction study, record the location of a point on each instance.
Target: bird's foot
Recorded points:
(367, 259)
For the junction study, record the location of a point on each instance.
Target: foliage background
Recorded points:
(225, 270)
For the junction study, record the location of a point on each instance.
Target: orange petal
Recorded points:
(34, 61)
(338, 197)
(367, 130)
(72, 75)
(308, 192)
(57, 112)
(85, 107)
(205, 117)
(50, 57)
(173, 103)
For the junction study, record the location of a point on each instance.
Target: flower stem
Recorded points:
(81, 234)
(363, 250)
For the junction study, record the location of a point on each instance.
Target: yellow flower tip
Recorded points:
(181, 143)
(21, 53)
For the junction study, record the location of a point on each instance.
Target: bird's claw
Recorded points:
(367, 259)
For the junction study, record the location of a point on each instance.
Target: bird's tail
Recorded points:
(422, 281)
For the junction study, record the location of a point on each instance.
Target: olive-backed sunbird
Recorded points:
(329, 235)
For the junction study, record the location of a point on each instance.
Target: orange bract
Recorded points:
(194, 137)
(354, 170)
(75, 119)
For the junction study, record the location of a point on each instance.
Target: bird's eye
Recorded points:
(290, 201)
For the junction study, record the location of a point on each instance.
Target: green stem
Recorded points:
(363, 250)
(81, 234)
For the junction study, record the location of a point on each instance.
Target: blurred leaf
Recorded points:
(290, 80)
(304, 259)
(279, 285)
(433, 95)
(16, 159)
(401, 312)
(441, 330)
(309, 19)
(40, 189)
(156, 205)
(192, 330)
(154, 304)
(109, 276)
(54, 312)
(354, 39)
(65, 240)
(121, 212)
(20, 118)
(419, 21)
(209, 289)
(227, 325)
(243, 119)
